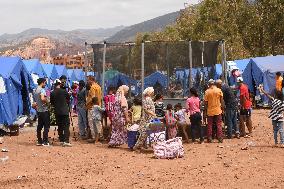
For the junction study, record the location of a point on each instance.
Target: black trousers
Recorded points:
(63, 123)
(196, 129)
(43, 123)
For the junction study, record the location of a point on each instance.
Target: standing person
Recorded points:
(109, 100)
(63, 80)
(59, 98)
(213, 110)
(276, 115)
(278, 82)
(231, 109)
(41, 105)
(75, 89)
(148, 114)
(193, 107)
(94, 91)
(171, 122)
(181, 121)
(120, 118)
(245, 109)
(97, 114)
(159, 106)
(81, 107)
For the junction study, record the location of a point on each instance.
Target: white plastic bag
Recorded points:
(169, 149)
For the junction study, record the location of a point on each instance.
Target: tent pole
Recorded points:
(142, 65)
(168, 66)
(104, 63)
(225, 62)
(190, 64)
(130, 67)
(86, 61)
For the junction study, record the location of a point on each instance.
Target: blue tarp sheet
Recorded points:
(262, 70)
(14, 96)
(242, 64)
(79, 74)
(34, 66)
(61, 70)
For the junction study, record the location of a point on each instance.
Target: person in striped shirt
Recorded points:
(276, 115)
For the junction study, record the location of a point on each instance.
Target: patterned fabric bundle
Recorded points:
(169, 149)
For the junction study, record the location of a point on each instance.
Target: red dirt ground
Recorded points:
(96, 166)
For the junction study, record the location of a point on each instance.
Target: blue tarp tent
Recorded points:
(79, 74)
(50, 71)
(154, 78)
(71, 75)
(242, 64)
(121, 79)
(218, 71)
(15, 85)
(34, 67)
(91, 74)
(61, 70)
(262, 70)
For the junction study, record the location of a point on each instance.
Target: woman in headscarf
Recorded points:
(120, 118)
(148, 115)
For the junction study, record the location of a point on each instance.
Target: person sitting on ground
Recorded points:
(193, 107)
(159, 106)
(231, 109)
(181, 121)
(59, 99)
(276, 115)
(171, 122)
(136, 110)
(214, 106)
(245, 109)
(97, 116)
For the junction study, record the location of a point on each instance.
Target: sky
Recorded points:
(19, 15)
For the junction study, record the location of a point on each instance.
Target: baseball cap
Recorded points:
(211, 81)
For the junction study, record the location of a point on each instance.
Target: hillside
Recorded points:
(71, 37)
(156, 24)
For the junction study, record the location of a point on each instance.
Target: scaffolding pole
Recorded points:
(86, 61)
(142, 65)
(104, 67)
(190, 64)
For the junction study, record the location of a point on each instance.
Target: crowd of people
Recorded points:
(221, 103)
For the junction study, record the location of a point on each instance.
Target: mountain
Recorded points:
(78, 36)
(156, 24)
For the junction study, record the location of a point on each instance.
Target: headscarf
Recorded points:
(148, 91)
(122, 90)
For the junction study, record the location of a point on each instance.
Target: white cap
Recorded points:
(57, 81)
(211, 81)
(240, 79)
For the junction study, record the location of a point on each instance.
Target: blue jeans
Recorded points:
(231, 122)
(278, 127)
(82, 121)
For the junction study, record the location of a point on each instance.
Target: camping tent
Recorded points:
(154, 78)
(79, 74)
(122, 79)
(242, 64)
(262, 70)
(15, 85)
(61, 70)
(35, 69)
(50, 71)
(71, 75)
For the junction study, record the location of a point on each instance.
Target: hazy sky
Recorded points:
(18, 15)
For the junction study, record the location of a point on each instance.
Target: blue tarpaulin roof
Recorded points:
(242, 64)
(50, 71)
(14, 96)
(61, 70)
(34, 66)
(79, 74)
(262, 70)
(121, 79)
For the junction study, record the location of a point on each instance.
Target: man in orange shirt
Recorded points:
(278, 83)
(214, 105)
(94, 91)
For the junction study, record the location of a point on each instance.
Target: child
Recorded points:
(136, 110)
(276, 115)
(159, 106)
(171, 122)
(181, 122)
(97, 112)
(109, 103)
(193, 107)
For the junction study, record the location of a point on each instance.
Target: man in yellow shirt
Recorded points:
(278, 84)
(214, 105)
(94, 90)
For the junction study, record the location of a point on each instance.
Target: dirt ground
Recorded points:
(96, 166)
